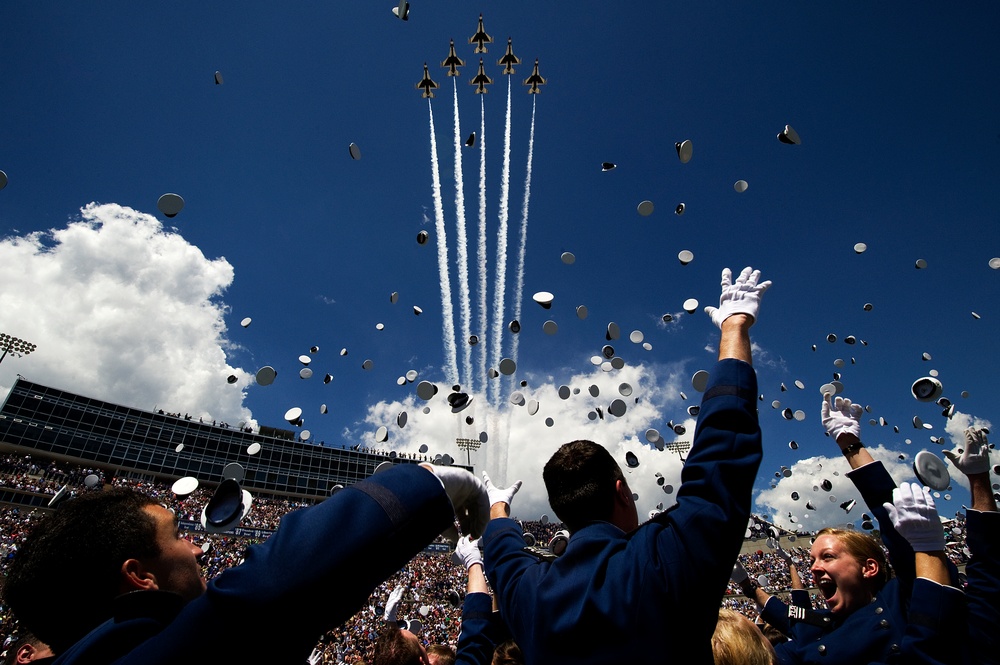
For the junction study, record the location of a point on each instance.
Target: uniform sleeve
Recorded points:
(512, 571)
(704, 530)
(775, 613)
(876, 485)
(479, 631)
(983, 593)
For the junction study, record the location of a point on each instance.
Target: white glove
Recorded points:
(913, 514)
(500, 494)
(467, 552)
(788, 558)
(392, 604)
(842, 418)
(975, 458)
(743, 297)
(739, 573)
(315, 657)
(468, 497)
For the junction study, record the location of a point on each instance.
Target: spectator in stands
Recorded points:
(81, 560)
(641, 587)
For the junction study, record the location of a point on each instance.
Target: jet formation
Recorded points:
(481, 79)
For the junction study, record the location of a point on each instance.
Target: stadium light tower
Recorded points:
(679, 447)
(468, 445)
(14, 346)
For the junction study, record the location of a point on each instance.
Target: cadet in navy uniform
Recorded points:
(116, 557)
(623, 593)
(868, 616)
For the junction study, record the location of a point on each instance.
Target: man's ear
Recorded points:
(135, 577)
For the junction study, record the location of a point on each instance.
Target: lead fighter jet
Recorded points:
(481, 79)
(426, 84)
(453, 62)
(534, 81)
(509, 59)
(480, 39)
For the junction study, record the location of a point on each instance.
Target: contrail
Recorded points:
(482, 238)
(462, 254)
(501, 271)
(519, 289)
(447, 313)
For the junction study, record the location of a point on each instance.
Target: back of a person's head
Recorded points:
(441, 654)
(27, 649)
(737, 641)
(392, 648)
(65, 575)
(580, 481)
(862, 547)
(508, 653)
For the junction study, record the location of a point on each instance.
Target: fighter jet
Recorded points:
(534, 81)
(509, 59)
(480, 39)
(481, 79)
(426, 84)
(453, 62)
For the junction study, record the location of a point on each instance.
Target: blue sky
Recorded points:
(114, 103)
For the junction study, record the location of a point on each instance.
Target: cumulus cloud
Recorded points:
(955, 429)
(806, 480)
(529, 441)
(122, 309)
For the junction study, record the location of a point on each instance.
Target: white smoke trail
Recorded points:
(501, 272)
(462, 253)
(523, 243)
(447, 313)
(482, 239)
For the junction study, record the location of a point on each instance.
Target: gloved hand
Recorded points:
(975, 457)
(500, 494)
(743, 297)
(913, 514)
(788, 558)
(468, 497)
(467, 552)
(392, 604)
(841, 418)
(315, 658)
(739, 573)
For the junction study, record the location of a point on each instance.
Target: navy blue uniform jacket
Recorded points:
(635, 598)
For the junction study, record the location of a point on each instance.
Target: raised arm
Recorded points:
(842, 421)
(982, 528)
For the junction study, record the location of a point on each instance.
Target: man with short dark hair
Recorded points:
(149, 603)
(621, 593)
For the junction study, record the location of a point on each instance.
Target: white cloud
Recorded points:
(121, 309)
(806, 479)
(530, 442)
(955, 429)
